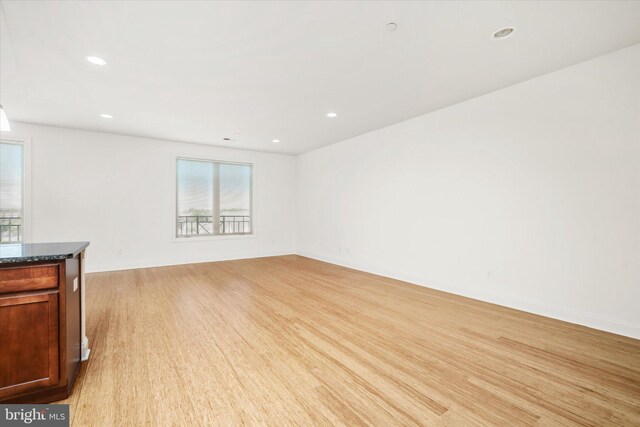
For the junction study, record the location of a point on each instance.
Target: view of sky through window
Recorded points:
(196, 192)
(11, 180)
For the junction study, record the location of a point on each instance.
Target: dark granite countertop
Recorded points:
(32, 252)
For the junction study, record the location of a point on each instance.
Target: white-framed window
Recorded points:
(213, 198)
(14, 191)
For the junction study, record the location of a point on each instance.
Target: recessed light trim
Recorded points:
(391, 26)
(332, 115)
(96, 60)
(275, 141)
(106, 116)
(503, 33)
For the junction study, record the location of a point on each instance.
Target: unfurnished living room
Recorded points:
(315, 213)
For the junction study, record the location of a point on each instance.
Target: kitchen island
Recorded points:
(42, 333)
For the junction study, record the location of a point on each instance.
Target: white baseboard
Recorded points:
(169, 262)
(536, 307)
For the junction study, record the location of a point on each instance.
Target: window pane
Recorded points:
(11, 192)
(235, 198)
(213, 198)
(195, 197)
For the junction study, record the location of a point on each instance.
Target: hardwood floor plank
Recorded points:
(293, 341)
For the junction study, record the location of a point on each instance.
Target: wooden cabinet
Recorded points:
(29, 338)
(40, 332)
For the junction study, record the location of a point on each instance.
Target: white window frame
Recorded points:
(26, 185)
(196, 238)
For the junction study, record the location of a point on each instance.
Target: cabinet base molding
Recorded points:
(44, 396)
(85, 350)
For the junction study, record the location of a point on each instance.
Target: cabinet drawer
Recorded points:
(29, 278)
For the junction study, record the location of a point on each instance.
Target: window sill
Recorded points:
(214, 237)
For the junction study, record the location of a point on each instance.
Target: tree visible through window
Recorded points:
(11, 189)
(213, 198)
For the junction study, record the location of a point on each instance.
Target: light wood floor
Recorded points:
(288, 340)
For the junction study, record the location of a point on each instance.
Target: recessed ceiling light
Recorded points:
(332, 115)
(106, 116)
(503, 33)
(391, 26)
(96, 60)
(226, 139)
(275, 141)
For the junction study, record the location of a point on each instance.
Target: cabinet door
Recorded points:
(28, 342)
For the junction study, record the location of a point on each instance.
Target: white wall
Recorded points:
(527, 197)
(118, 192)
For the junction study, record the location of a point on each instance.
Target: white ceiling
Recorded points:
(202, 71)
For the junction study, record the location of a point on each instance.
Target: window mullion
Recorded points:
(216, 199)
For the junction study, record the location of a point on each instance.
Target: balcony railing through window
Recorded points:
(194, 225)
(10, 229)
